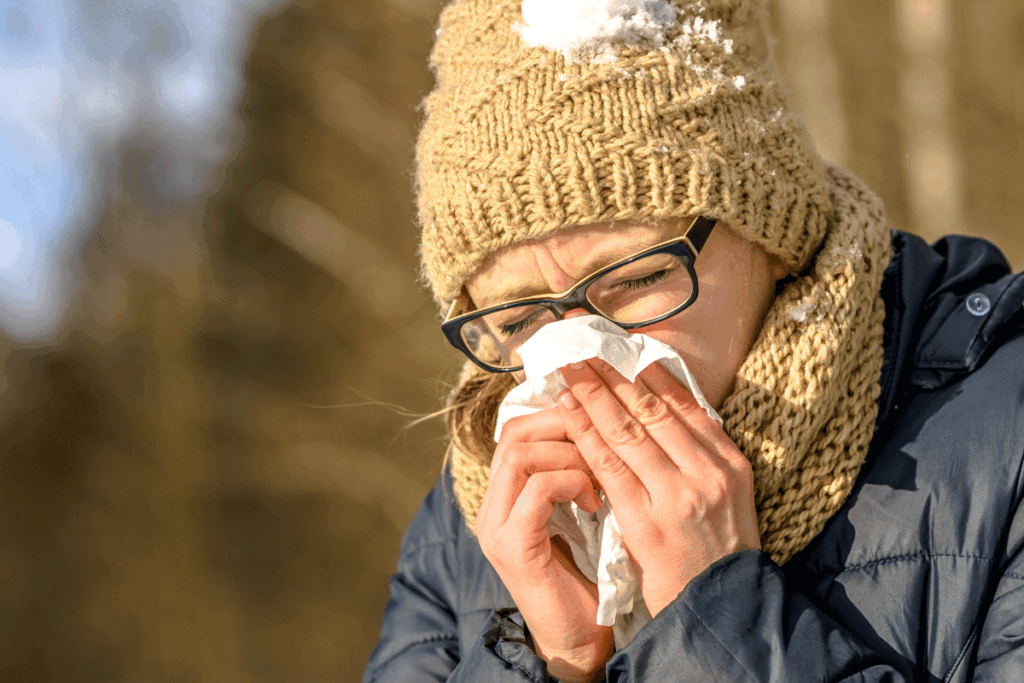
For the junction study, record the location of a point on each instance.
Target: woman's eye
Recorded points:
(510, 329)
(645, 281)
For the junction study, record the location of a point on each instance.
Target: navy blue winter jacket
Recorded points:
(919, 577)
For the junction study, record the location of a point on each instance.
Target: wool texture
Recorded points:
(517, 143)
(805, 400)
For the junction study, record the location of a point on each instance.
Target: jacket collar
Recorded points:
(932, 336)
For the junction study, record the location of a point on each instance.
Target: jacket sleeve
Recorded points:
(739, 621)
(1000, 638)
(419, 639)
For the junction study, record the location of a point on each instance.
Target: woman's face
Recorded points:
(737, 282)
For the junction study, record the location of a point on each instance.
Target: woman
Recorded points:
(856, 515)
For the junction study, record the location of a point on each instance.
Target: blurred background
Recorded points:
(211, 341)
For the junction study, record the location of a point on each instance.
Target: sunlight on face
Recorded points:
(737, 281)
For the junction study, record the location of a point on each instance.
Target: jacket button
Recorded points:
(978, 304)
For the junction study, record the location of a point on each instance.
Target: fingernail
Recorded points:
(569, 401)
(578, 365)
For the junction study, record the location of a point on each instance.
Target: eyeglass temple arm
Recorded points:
(699, 232)
(457, 308)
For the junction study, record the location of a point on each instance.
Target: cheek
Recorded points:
(713, 337)
(718, 324)
(738, 293)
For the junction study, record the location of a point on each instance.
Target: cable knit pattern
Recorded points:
(518, 144)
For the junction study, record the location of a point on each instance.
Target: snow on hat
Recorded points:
(554, 113)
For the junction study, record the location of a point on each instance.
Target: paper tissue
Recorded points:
(594, 538)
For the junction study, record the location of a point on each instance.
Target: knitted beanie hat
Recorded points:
(674, 110)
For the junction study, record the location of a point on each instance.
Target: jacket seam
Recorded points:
(912, 556)
(521, 670)
(488, 609)
(942, 364)
(895, 311)
(433, 639)
(968, 646)
(718, 640)
(423, 546)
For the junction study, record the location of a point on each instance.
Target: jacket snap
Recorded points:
(978, 304)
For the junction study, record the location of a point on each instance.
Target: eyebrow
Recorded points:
(521, 291)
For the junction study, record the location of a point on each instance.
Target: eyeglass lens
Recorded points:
(645, 289)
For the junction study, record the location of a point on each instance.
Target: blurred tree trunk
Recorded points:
(987, 74)
(178, 504)
(313, 247)
(103, 468)
(869, 56)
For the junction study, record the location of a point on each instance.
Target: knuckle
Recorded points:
(744, 472)
(577, 479)
(514, 428)
(511, 457)
(650, 409)
(694, 505)
(686, 407)
(697, 509)
(508, 433)
(609, 463)
(534, 487)
(740, 473)
(588, 433)
(589, 391)
(717, 486)
(543, 486)
(625, 432)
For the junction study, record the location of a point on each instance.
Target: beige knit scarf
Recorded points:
(804, 404)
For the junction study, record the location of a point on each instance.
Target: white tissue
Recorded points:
(594, 538)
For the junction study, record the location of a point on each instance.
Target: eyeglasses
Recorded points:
(639, 290)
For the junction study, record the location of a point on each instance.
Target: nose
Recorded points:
(575, 313)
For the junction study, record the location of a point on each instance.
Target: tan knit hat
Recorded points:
(520, 142)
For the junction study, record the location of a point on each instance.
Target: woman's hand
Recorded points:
(534, 467)
(682, 492)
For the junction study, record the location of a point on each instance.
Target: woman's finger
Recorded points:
(623, 487)
(543, 425)
(611, 434)
(684, 406)
(533, 507)
(672, 429)
(525, 459)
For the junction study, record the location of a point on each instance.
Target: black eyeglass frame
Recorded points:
(688, 246)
